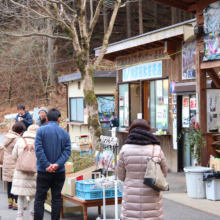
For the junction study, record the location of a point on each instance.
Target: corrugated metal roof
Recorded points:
(160, 34)
(77, 76)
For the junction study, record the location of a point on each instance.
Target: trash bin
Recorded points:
(212, 182)
(194, 181)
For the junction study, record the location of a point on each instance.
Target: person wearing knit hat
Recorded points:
(42, 117)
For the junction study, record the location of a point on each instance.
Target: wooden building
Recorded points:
(147, 67)
(209, 22)
(104, 85)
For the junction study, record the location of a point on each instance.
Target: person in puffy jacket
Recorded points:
(42, 121)
(24, 184)
(139, 201)
(24, 116)
(9, 142)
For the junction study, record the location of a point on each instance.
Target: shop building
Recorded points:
(149, 69)
(104, 85)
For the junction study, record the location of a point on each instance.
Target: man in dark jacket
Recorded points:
(42, 117)
(53, 148)
(24, 116)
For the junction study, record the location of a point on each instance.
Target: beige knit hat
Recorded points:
(33, 128)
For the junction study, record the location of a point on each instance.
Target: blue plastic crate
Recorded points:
(96, 194)
(87, 185)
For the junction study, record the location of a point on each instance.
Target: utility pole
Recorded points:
(140, 18)
(128, 14)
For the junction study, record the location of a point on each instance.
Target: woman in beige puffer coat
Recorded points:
(139, 202)
(24, 184)
(9, 142)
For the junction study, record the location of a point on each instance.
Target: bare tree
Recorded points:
(62, 13)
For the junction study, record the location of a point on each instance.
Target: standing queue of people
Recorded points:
(52, 147)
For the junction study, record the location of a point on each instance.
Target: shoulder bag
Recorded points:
(27, 159)
(154, 177)
(1, 154)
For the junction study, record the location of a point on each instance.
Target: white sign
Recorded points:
(143, 71)
(193, 104)
(126, 99)
(35, 114)
(139, 115)
(159, 88)
(174, 132)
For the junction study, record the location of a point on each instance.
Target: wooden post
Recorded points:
(174, 15)
(128, 20)
(140, 18)
(155, 13)
(184, 16)
(179, 15)
(214, 76)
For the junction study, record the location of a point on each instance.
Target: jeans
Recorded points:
(46, 181)
(10, 195)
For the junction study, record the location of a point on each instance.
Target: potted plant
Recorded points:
(196, 143)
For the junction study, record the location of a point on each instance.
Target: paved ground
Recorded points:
(172, 210)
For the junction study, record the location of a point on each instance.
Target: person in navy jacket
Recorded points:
(24, 116)
(53, 149)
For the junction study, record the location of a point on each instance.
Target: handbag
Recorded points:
(27, 160)
(1, 154)
(154, 177)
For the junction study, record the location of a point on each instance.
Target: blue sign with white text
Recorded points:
(143, 71)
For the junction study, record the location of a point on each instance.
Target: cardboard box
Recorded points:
(215, 164)
(69, 167)
(69, 187)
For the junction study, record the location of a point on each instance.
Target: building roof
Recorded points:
(77, 76)
(153, 39)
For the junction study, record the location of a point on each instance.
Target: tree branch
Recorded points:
(123, 5)
(35, 34)
(108, 34)
(63, 3)
(94, 19)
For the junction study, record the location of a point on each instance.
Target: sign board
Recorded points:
(141, 57)
(185, 112)
(35, 114)
(143, 71)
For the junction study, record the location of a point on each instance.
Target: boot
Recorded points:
(15, 205)
(10, 203)
(31, 215)
(20, 216)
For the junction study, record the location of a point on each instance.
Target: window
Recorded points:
(106, 109)
(124, 105)
(77, 109)
(159, 104)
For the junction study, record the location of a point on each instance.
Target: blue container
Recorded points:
(97, 194)
(87, 185)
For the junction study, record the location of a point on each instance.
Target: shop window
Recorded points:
(77, 109)
(124, 105)
(159, 104)
(106, 109)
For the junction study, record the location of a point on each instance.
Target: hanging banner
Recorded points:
(212, 32)
(174, 132)
(143, 71)
(188, 71)
(185, 112)
(192, 112)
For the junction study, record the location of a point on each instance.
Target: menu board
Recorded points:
(213, 109)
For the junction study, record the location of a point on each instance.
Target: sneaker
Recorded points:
(15, 205)
(31, 215)
(20, 216)
(10, 203)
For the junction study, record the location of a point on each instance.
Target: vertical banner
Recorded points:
(174, 132)
(185, 112)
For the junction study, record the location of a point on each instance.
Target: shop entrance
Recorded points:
(186, 114)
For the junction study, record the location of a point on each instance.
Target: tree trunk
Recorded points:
(155, 14)
(105, 18)
(184, 16)
(92, 108)
(51, 53)
(140, 18)
(128, 20)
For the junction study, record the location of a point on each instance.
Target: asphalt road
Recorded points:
(172, 211)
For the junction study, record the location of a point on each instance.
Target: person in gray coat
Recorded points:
(42, 121)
